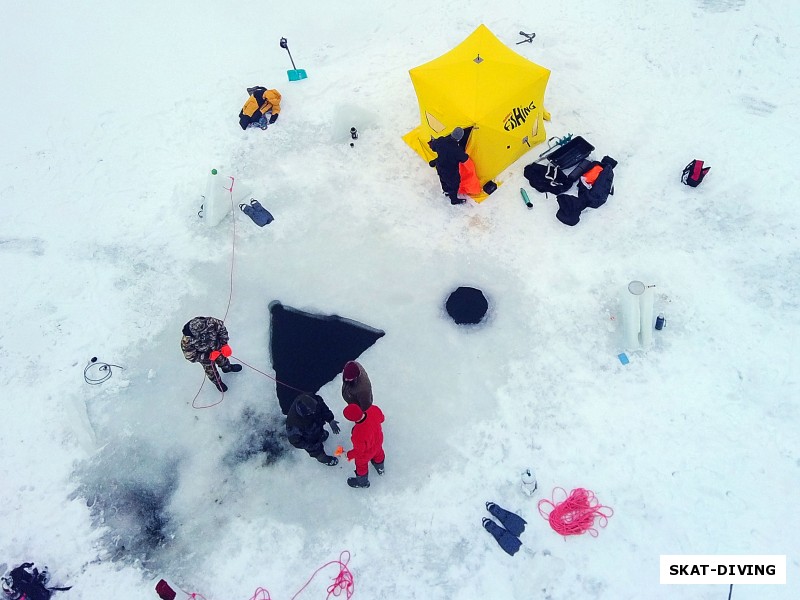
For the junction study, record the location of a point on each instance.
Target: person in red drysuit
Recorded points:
(367, 439)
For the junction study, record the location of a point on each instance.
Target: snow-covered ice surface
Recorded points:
(113, 114)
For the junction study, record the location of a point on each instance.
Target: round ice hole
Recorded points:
(467, 305)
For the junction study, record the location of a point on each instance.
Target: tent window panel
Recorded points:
(535, 128)
(434, 123)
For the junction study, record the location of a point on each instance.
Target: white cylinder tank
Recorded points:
(637, 315)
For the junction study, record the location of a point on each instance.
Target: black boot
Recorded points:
(378, 467)
(454, 199)
(359, 481)
(232, 368)
(220, 385)
(330, 461)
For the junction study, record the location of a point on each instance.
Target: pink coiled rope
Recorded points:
(575, 514)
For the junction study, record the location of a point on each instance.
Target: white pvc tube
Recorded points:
(631, 316)
(216, 203)
(646, 301)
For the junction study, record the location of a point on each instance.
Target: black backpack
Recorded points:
(547, 178)
(597, 194)
(694, 173)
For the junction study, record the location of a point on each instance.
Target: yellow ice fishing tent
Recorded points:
(484, 85)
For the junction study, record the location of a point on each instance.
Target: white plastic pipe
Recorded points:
(631, 316)
(217, 201)
(646, 322)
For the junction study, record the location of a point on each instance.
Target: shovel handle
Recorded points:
(285, 45)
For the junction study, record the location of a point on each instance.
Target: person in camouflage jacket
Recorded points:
(205, 341)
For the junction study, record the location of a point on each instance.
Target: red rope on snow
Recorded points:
(270, 376)
(230, 299)
(343, 582)
(233, 247)
(575, 514)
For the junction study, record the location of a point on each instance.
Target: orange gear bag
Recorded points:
(470, 185)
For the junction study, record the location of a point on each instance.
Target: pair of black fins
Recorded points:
(507, 535)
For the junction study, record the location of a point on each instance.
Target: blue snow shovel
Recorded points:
(294, 74)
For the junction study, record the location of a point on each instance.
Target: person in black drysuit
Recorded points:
(305, 427)
(449, 155)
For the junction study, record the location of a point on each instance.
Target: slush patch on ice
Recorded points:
(33, 246)
(258, 434)
(758, 107)
(127, 488)
(721, 5)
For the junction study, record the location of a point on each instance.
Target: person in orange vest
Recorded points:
(367, 440)
(261, 109)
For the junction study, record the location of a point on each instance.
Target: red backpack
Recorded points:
(694, 173)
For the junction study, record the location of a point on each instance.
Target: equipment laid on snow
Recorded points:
(528, 37)
(694, 172)
(164, 591)
(661, 321)
(568, 154)
(507, 535)
(529, 485)
(104, 370)
(485, 87)
(216, 202)
(637, 315)
(24, 583)
(513, 523)
(294, 73)
(525, 198)
(547, 178)
(508, 542)
(257, 213)
(552, 145)
(597, 183)
(575, 514)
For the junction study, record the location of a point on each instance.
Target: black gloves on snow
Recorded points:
(335, 427)
(272, 119)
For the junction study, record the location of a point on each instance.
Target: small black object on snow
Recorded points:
(467, 306)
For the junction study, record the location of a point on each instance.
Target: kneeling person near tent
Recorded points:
(205, 340)
(305, 427)
(367, 439)
(449, 155)
(262, 108)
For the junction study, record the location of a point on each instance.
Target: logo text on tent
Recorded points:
(517, 116)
